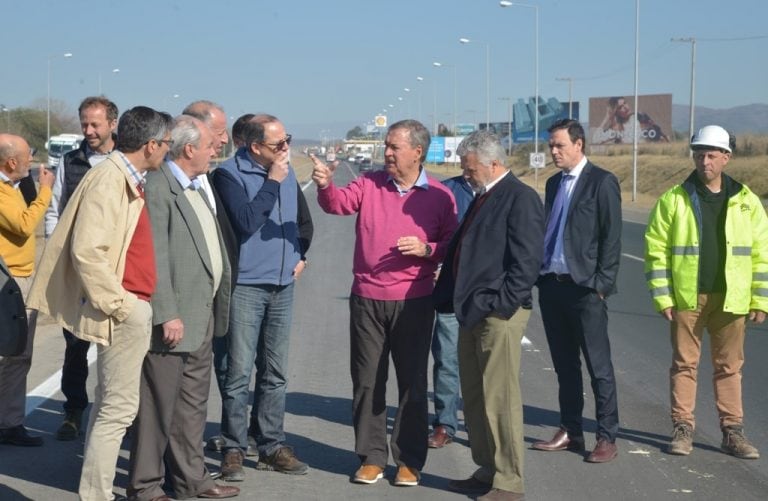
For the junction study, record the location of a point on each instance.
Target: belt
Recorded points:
(560, 278)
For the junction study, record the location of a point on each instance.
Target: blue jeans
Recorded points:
(260, 318)
(445, 371)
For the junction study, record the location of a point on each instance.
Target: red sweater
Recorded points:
(140, 275)
(381, 272)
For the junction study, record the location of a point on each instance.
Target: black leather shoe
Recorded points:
(561, 442)
(215, 443)
(18, 435)
(469, 486)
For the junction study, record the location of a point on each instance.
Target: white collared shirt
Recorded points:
(558, 264)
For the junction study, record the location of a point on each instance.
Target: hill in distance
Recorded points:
(748, 119)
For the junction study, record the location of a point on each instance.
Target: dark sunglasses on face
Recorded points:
(280, 144)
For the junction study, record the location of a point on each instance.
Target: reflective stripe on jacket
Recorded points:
(672, 249)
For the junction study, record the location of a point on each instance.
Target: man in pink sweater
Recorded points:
(404, 223)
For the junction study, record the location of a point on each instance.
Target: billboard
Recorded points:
(523, 132)
(550, 111)
(443, 149)
(612, 120)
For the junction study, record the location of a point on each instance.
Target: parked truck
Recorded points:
(57, 146)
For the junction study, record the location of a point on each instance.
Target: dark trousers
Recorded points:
(169, 425)
(74, 372)
(576, 322)
(404, 329)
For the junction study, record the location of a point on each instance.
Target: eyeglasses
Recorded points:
(32, 152)
(169, 142)
(280, 144)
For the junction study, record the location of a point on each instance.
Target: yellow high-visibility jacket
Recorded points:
(672, 249)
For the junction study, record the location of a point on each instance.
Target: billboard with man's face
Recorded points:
(612, 120)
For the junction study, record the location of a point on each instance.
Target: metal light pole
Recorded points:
(487, 79)
(116, 70)
(441, 65)
(692, 41)
(637, 64)
(570, 93)
(535, 7)
(48, 107)
(420, 79)
(509, 122)
(7, 117)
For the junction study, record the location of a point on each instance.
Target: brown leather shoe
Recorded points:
(560, 442)
(220, 492)
(368, 474)
(232, 466)
(439, 438)
(469, 486)
(604, 451)
(407, 476)
(502, 495)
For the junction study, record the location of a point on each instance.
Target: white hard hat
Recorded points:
(711, 137)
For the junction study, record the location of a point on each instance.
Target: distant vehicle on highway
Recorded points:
(57, 146)
(365, 165)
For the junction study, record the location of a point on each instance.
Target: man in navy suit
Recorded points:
(582, 248)
(491, 266)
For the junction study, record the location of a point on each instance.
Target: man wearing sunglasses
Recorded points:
(261, 196)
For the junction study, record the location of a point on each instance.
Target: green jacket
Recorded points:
(672, 249)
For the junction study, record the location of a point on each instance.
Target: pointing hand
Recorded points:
(322, 173)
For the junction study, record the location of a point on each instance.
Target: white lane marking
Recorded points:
(630, 256)
(51, 386)
(526, 341)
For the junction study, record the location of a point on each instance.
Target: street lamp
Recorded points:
(48, 107)
(692, 41)
(115, 70)
(420, 79)
(509, 122)
(7, 117)
(442, 65)
(570, 93)
(505, 3)
(487, 79)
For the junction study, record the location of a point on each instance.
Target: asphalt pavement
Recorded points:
(318, 411)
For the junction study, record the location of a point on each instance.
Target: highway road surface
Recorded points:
(318, 414)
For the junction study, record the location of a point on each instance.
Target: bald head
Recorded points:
(212, 115)
(14, 156)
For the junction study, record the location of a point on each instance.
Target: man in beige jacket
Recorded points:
(96, 278)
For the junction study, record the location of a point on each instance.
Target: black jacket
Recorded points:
(13, 315)
(592, 235)
(499, 255)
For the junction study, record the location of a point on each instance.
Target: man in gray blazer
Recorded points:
(190, 306)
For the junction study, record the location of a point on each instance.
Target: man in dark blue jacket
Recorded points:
(445, 371)
(262, 198)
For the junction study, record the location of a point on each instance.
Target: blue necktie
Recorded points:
(555, 217)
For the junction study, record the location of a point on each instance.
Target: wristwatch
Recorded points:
(427, 250)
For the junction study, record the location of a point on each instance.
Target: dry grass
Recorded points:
(659, 167)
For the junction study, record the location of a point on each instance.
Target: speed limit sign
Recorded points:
(538, 160)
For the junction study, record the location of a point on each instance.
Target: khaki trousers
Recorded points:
(14, 370)
(489, 368)
(726, 334)
(118, 367)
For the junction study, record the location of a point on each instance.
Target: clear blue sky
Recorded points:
(327, 65)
